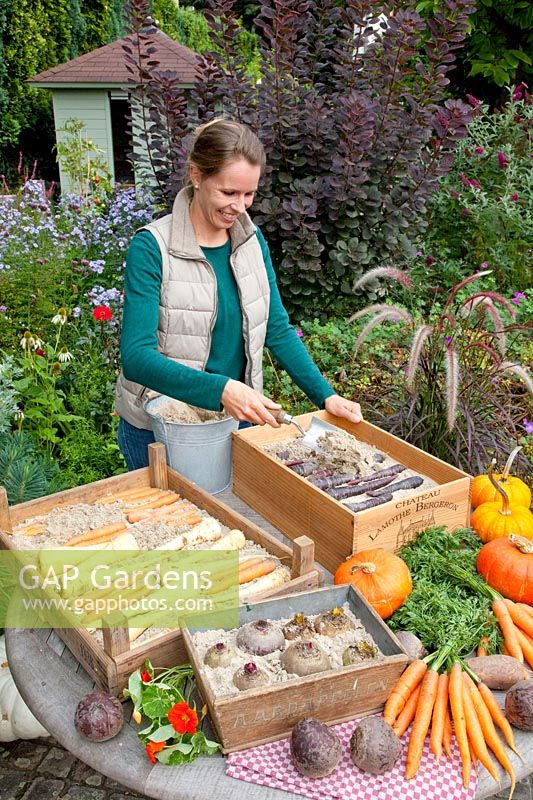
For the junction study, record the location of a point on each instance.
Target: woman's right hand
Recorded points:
(248, 405)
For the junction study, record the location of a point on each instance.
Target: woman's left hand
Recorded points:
(341, 407)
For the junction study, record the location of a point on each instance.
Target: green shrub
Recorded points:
(86, 455)
(25, 473)
(481, 217)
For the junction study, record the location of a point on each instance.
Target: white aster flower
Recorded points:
(64, 355)
(27, 341)
(60, 318)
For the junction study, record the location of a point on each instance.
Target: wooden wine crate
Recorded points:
(111, 664)
(296, 507)
(270, 712)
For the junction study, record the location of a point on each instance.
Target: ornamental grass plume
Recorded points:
(461, 396)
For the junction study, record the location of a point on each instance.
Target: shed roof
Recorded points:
(106, 66)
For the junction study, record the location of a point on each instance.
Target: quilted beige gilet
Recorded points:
(188, 302)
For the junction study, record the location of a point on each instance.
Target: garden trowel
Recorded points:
(316, 429)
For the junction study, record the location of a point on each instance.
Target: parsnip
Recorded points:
(234, 540)
(277, 578)
(208, 530)
(125, 541)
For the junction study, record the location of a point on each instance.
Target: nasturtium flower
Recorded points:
(152, 748)
(183, 718)
(145, 676)
(102, 313)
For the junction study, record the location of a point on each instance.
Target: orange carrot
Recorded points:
(447, 734)
(36, 529)
(520, 618)
(481, 648)
(407, 714)
(497, 714)
(409, 680)
(456, 704)
(137, 513)
(475, 734)
(526, 644)
(489, 731)
(525, 607)
(130, 495)
(473, 757)
(424, 710)
(439, 716)
(158, 514)
(502, 614)
(256, 571)
(97, 535)
(183, 520)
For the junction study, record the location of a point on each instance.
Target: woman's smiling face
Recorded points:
(220, 198)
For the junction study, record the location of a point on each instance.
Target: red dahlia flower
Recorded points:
(102, 313)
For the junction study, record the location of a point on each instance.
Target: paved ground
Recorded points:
(42, 770)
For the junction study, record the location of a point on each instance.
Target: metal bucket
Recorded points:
(200, 451)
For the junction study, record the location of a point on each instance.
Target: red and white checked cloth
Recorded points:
(271, 765)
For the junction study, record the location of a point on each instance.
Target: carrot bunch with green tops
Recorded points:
(432, 700)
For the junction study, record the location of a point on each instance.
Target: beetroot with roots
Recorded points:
(315, 749)
(99, 717)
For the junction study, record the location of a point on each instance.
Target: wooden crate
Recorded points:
(263, 715)
(111, 665)
(296, 507)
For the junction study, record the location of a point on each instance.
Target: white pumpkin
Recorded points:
(16, 719)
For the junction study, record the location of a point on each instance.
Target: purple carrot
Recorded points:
(304, 468)
(379, 473)
(374, 501)
(407, 483)
(329, 481)
(295, 462)
(340, 492)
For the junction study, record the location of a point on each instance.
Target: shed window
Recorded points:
(121, 139)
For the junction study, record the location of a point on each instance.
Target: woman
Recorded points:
(201, 300)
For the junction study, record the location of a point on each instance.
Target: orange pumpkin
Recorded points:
(493, 520)
(518, 492)
(381, 577)
(507, 565)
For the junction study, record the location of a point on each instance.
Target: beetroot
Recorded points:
(99, 716)
(374, 747)
(260, 637)
(250, 676)
(304, 657)
(519, 705)
(315, 748)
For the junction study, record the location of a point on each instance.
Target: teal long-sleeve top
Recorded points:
(142, 363)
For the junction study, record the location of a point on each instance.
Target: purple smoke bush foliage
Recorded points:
(351, 109)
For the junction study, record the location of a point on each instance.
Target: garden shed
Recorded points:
(93, 88)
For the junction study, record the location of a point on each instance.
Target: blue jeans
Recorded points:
(133, 443)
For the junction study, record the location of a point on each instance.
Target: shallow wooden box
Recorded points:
(269, 713)
(296, 507)
(111, 664)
